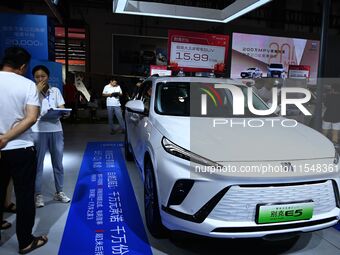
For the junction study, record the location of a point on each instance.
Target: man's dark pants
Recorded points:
(21, 165)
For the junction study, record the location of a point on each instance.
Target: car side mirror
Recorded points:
(135, 106)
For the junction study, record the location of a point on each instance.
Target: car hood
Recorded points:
(244, 143)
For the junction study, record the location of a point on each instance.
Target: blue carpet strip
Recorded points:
(337, 226)
(104, 217)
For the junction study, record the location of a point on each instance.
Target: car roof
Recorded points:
(195, 79)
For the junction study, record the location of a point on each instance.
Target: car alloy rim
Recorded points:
(149, 195)
(126, 144)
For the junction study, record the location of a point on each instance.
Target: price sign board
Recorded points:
(299, 71)
(197, 52)
(160, 70)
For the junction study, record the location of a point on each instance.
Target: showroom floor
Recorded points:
(51, 218)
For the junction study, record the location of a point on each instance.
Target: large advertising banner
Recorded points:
(272, 55)
(197, 52)
(104, 217)
(31, 32)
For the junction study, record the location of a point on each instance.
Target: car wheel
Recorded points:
(127, 152)
(151, 207)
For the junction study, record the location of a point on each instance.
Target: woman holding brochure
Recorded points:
(49, 135)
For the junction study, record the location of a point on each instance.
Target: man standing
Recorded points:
(112, 92)
(136, 90)
(19, 106)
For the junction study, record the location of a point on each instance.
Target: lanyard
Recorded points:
(47, 96)
(48, 99)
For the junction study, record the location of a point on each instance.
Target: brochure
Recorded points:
(55, 113)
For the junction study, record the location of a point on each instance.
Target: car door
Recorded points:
(137, 124)
(131, 119)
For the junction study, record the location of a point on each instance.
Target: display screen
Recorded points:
(272, 56)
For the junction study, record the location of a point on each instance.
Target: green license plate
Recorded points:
(273, 213)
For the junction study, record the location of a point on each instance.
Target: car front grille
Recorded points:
(275, 73)
(239, 203)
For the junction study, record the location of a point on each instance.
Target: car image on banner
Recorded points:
(252, 72)
(276, 71)
(179, 153)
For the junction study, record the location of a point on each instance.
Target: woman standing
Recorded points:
(48, 136)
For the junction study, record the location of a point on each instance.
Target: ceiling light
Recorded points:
(231, 12)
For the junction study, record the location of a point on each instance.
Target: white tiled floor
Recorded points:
(51, 218)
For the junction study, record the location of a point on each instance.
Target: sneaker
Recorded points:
(60, 196)
(39, 201)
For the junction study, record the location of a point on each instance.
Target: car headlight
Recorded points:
(180, 152)
(336, 157)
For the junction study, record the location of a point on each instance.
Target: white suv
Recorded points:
(252, 72)
(276, 71)
(174, 145)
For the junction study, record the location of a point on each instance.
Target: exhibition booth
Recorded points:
(222, 137)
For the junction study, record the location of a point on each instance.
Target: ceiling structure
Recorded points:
(304, 15)
(217, 4)
(219, 11)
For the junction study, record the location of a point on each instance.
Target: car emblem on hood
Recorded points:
(287, 167)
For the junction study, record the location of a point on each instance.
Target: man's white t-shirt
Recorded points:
(16, 92)
(112, 101)
(53, 99)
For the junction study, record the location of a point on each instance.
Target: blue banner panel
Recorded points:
(104, 217)
(51, 40)
(25, 30)
(337, 226)
(56, 75)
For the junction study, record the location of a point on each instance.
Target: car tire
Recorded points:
(127, 152)
(151, 206)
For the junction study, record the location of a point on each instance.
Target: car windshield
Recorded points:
(252, 68)
(275, 66)
(184, 99)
